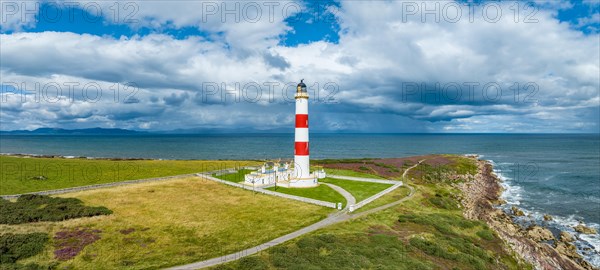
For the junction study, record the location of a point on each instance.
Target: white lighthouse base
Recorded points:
(282, 177)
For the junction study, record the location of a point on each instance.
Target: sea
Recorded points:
(555, 174)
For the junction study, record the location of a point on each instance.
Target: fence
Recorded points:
(268, 192)
(366, 201)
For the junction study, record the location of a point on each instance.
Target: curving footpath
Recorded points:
(350, 200)
(331, 219)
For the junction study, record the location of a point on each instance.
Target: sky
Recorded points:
(370, 66)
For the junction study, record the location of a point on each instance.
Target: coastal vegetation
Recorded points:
(15, 247)
(160, 224)
(29, 174)
(352, 173)
(34, 208)
(428, 231)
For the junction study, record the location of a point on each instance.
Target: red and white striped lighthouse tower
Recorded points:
(302, 176)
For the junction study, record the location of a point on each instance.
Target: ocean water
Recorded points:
(557, 174)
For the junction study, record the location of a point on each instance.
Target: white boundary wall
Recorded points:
(366, 201)
(268, 192)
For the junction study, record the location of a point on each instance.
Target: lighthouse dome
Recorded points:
(301, 87)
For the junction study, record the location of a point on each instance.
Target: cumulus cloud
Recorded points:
(390, 71)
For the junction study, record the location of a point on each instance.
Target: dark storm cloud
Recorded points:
(176, 99)
(276, 61)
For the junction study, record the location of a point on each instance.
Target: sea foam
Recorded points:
(587, 245)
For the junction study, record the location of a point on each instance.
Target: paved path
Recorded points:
(350, 200)
(411, 167)
(331, 219)
(270, 192)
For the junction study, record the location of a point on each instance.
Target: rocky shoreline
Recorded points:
(535, 244)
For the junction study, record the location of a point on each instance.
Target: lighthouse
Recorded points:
(302, 176)
(301, 148)
(281, 174)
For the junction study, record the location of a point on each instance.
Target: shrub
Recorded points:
(70, 242)
(443, 202)
(347, 251)
(252, 263)
(14, 247)
(431, 248)
(462, 250)
(34, 208)
(29, 266)
(486, 234)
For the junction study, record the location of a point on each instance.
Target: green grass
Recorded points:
(21, 175)
(234, 177)
(162, 224)
(351, 173)
(360, 190)
(391, 197)
(463, 165)
(322, 192)
(427, 173)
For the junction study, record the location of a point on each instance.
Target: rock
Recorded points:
(584, 229)
(547, 217)
(568, 250)
(538, 234)
(499, 202)
(587, 265)
(566, 237)
(517, 212)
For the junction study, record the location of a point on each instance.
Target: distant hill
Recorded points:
(225, 130)
(86, 131)
(118, 131)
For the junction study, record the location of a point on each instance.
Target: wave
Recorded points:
(587, 245)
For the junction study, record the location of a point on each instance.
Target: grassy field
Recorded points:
(21, 175)
(162, 224)
(234, 177)
(360, 190)
(351, 173)
(322, 192)
(428, 231)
